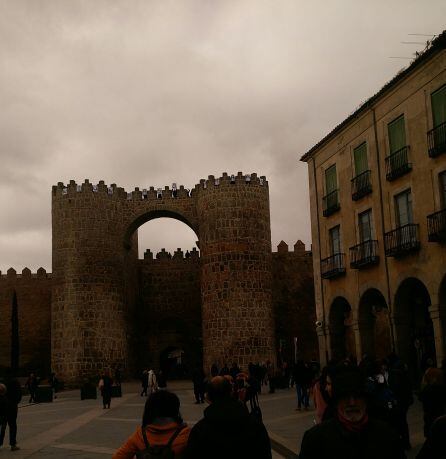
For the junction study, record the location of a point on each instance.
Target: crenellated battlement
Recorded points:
(71, 188)
(298, 249)
(178, 255)
(26, 273)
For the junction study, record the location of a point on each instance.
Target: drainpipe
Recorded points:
(319, 244)
(386, 265)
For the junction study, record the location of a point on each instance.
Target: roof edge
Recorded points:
(438, 44)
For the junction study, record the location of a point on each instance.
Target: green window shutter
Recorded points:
(335, 240)
(439, 106)
(397, 134)
(360, 157)
(331, 183)
(365, 226)
(403, 206)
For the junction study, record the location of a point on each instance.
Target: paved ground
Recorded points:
(71, 428)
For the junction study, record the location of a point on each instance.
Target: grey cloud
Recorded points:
(146, 93)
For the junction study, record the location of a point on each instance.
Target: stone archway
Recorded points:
(374, 325)
(342, 340)
(95, 264)
(414, 333)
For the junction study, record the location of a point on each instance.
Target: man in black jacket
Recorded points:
(227, 429)
(351, 434)
(13, 398)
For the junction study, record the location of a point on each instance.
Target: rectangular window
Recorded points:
(438, 99)
(442, 180)
(365, 226)
(360, 158)
(397, 134)
(331, 183)
(335, 240)
(403, 208)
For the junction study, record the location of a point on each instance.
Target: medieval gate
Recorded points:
(95, 257)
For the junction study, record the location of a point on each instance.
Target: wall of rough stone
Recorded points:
(33, 292)
(169, 307)
(293, 302)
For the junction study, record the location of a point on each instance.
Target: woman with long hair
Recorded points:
(162, 427)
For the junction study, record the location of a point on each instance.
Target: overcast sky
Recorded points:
(146, 93)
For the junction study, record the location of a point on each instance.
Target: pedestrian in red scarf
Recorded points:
(351, 434)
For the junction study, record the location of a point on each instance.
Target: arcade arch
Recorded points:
(342, 340)
(374, 324)
(413, 326)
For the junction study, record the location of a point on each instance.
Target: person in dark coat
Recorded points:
(433, 397)
(198, 379)
(351, 434)
(32, 385)
(400, 385)
(106, 389)
(214, 370)
(227, 429)
(435, 445)
(13, 395)
(144, 382)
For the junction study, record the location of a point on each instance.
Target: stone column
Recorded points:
(438, 315)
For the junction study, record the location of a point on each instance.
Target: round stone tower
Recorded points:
(95, 271)
(235, 244)
(88, 297)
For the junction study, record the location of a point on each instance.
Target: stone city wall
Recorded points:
(33, 294)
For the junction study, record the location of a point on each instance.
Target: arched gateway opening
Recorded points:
(168, 323)
(95, 270)
(413, 325)
(374, 324)
(342, 340)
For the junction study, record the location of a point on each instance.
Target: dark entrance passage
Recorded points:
(342, 340)
(172, 363)
(374, 324)
(414, 330)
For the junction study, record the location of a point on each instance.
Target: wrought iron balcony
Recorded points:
(364, 254)
(333, 266)
(436, 226)
(361, 185)
(402, 240)
(397, 164)
(436, 139)
(331, 203)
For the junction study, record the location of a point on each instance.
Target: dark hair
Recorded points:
(219, 389)
(161, 404)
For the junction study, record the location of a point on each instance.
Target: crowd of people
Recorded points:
(360, 410)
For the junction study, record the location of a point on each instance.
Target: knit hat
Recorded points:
(348, 382)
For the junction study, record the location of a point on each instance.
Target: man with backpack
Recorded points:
(227, 428)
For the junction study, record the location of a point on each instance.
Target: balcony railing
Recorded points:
(333, 266)
(397, 164)
(402, 240)
(331, 203)
(436, 226)
(361, 185)
(436, 139)
(364, 254)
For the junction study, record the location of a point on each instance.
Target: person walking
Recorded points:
(433, 397)
(162, 432)
(198, 379)
(227, 429)
(31, 384)
(300, 376)
(105, 386)
(351, 434)
(12, 395)
(153, 385)
(144, 382)
(162, 380)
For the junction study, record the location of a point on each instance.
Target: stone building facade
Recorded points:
(378, 200)
(108, 308)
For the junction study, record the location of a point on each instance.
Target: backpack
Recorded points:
(158, 451)
(255, 412)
